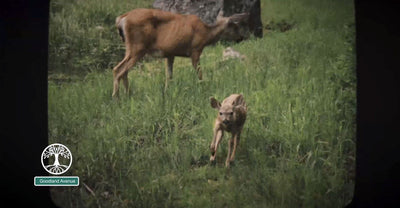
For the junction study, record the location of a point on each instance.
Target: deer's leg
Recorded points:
(196, 65)
(230, 144)
(117, 69)
(121, 71)
(168, 70)
(170, 63)
(212, 145)
(218, 134)
(236, 139)
(126, 82)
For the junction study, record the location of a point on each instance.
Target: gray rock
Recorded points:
(207, 11)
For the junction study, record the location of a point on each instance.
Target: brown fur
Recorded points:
(166, 34)
(231, 117)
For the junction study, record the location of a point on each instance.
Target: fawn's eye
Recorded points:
(231, 113)
(220, 113)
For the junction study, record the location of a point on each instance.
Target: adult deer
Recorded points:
(166, 34)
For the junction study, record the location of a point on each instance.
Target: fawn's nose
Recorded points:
(225, 122)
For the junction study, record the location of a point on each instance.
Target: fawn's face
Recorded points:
(225, 112)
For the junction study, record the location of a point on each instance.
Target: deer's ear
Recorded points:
(239, 100)
(220, 13)
(238, 18)
(240, 109)
(233, 22)
(214, 103)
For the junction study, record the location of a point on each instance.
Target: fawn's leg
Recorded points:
(212, 145)
(236, 139)
(230, 144)
(218, 134)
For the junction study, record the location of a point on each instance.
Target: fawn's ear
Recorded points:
(239, 100)
(234, 109)
(214, 103)
(239, 109)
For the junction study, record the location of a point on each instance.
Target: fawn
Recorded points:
(231, 117)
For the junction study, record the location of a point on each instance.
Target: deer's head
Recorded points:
(226, 112)
(235, 25)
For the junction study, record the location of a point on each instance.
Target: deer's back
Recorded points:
(173, 34)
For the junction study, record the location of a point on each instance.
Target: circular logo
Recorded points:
(59, 159)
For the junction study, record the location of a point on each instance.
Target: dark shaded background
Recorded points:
(23, 81)
(378, 149)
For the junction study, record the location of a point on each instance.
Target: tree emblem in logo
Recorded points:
(59, 159)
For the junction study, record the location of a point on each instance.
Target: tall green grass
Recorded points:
(151, 149)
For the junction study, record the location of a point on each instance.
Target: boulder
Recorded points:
(207, 11)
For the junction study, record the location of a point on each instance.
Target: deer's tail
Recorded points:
(120, 23)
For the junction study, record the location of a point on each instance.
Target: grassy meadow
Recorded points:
(151, 148)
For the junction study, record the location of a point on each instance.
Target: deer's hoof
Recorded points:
(212, 160)
(212, 149)
(227, 164)
(115, 97)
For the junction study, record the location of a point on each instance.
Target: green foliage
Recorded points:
(151, 148)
